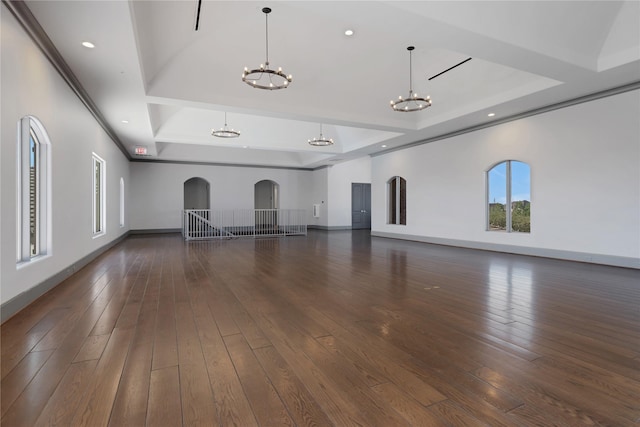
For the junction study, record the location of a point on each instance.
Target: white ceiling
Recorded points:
(173, 84)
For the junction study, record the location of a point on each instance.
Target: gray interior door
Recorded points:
(360, 206)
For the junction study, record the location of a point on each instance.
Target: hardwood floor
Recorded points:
(330, 329)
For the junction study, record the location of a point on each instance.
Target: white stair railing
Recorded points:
(200, 224)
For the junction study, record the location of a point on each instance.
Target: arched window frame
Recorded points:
(509, 179)
(99, 195)
(33, 192)
(397, 200)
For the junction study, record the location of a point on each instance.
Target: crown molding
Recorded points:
(232, 165)
(32, 27)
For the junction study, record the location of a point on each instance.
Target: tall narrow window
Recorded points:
(121, 202)
(397, 200)
(98, 195)
(34, 190)
(509, 197)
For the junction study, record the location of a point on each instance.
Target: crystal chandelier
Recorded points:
(321, 141)
(264, 77)
(225, 132)
(413, 102)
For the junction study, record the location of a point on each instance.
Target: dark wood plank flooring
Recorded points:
(330, 329)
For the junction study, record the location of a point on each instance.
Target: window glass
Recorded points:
(98, 195)
(34, 187)
(121, 202)
(520, 197)
(403, 201)
(392, 200)
(397, 200)
(509, 197)
(498, 197)
(33, 207)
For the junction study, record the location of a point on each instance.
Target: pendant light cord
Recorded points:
(410, 73)
(266, 19)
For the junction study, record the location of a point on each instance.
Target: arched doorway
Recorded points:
(196, 194)
(266, 203)
(266, 194)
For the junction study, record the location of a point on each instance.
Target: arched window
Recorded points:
(121, 202)
(99, 195)
(509, 197)
(34, 190)
(397, 200)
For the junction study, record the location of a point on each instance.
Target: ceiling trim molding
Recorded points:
(32, 27)
(232, 165)
(564, 104)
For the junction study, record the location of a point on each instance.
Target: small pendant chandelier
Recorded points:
(264, 77)
(225, 132)
(413, 102)
(321, 141)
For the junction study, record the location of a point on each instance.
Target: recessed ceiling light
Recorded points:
(491, 114)
(348, 33)
(125, 121)
(88, 44)
(383, 146)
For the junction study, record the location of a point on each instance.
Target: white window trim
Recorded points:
(103, 191)
(26, 125)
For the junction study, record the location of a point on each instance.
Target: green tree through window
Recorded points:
(509, 197)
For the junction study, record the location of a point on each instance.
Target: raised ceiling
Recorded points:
(173, 84)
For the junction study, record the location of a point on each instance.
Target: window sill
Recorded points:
(23, 264)
(525, 233)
